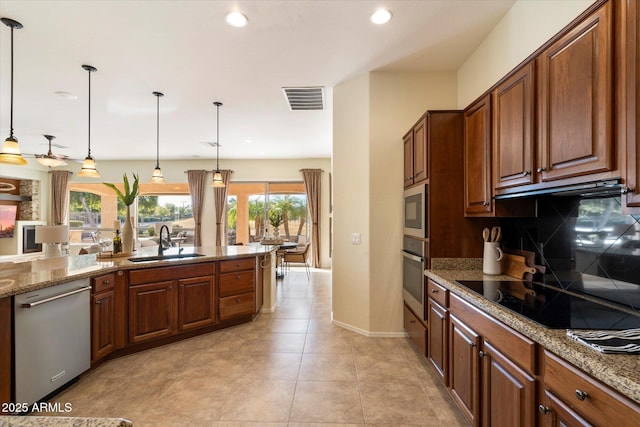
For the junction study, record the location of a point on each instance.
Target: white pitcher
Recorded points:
(492, 257)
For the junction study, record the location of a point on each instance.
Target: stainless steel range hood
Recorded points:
(612, 187)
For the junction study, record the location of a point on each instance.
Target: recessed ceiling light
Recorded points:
(381, 16)
(236, 19)
(66, 95)
(248, 141)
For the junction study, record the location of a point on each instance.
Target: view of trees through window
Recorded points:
(256, 210)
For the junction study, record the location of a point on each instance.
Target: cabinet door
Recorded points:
(576, 104)
(420, 151)
(555, 413)
(196, 306)
(513, 137)
(477, 158)
(437, 317)
(508, 392)
(152, 311)
(464, 375)
(103, 324)
(416, 330)
(632, 198)
(408, 158)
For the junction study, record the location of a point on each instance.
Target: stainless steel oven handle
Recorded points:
(412, 257)
(56, 297)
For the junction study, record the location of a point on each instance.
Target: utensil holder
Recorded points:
(491, 259)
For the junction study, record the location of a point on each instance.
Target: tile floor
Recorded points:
(291, 368)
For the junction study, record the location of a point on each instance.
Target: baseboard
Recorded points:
(368, 333)
(269, 310)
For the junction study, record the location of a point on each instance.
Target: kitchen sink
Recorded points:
(165, 257)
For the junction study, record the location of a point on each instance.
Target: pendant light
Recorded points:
(217, 176)
(89, 165)
(10, 151)
(50, 159)
(157, 172)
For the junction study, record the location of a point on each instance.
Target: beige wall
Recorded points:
(371, 114)
(525, 27)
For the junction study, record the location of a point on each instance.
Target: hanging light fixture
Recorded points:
(217, 176)
(89, 165)
(157, 172)
(50, 160)
(10, 151)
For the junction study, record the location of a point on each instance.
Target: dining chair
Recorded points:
(298, 256)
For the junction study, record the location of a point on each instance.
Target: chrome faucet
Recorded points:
(162, 242)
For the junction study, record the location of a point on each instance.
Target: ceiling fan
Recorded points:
(51, 160)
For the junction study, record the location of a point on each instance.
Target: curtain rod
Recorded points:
(321, 170)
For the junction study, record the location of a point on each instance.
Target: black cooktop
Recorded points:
(551, 307)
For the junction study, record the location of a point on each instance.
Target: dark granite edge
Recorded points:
(618, 371)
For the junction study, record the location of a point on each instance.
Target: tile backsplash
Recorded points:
(587, 245)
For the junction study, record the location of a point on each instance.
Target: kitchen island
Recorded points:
(474, 343)
(145, 300)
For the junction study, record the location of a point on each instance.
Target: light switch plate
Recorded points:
(355, 238)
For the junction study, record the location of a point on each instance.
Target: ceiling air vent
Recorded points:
(305, 98)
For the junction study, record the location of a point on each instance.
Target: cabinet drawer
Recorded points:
(177, 272)
(599, 405)
(104, 282)
(438, 293)
(237, 305)
(236, 283)
(237, 265)
(416, 330)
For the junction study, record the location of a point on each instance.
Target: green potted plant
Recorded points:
(275, 219)
(127, 197)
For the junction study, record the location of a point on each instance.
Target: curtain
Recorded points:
(311, 179)
(196, 179)
(60, 196)
(220, 197)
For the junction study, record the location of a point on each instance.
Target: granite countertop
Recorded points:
(619, 371)
(29, 421)
(20, 277)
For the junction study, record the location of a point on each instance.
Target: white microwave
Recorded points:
(415, 211)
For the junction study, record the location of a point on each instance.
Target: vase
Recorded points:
(276, 232)
(127, 234)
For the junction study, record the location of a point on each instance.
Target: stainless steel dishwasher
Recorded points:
(52, 338)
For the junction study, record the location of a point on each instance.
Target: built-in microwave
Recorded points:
(415, 211)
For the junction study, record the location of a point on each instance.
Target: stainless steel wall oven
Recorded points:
(413, 265)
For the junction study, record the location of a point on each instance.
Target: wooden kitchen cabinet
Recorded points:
(513, 129)
(477, 158)
(632, 180)
(416, 329)
(6, 344)
(575, 108)
(464, 368)
(236, 288)
(572, 398)
(438, 321)
(416, 154)
(183, 299)
(103, 316)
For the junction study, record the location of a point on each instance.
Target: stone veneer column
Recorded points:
(29, 211)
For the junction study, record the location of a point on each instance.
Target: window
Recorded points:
(250, 206)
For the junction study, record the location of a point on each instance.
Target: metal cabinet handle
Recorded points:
(485, 203)
(525, 173)
(581, 395)
(626, 190)
(540, 170)
(238, 300)
(482, 354)
(412, 321)
(543, 409)
(434, 291)
(99, 302)
(106, 282)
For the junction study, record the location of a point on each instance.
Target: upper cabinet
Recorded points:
(415, 154)
(576, 100)
(477, 158)
(513, 129)
(632, 182)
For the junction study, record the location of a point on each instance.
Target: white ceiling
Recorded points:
(186, 50)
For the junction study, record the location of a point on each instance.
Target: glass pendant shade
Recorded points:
(10, 153)
(89, 168)
(157, 177)
(51, 162)
(217, 180)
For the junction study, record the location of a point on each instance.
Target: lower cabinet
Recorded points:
(464, 371)
(237, 288)
(573, 398)
(184, 299)
(438, 337)
(103, 323)
(416, 329)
